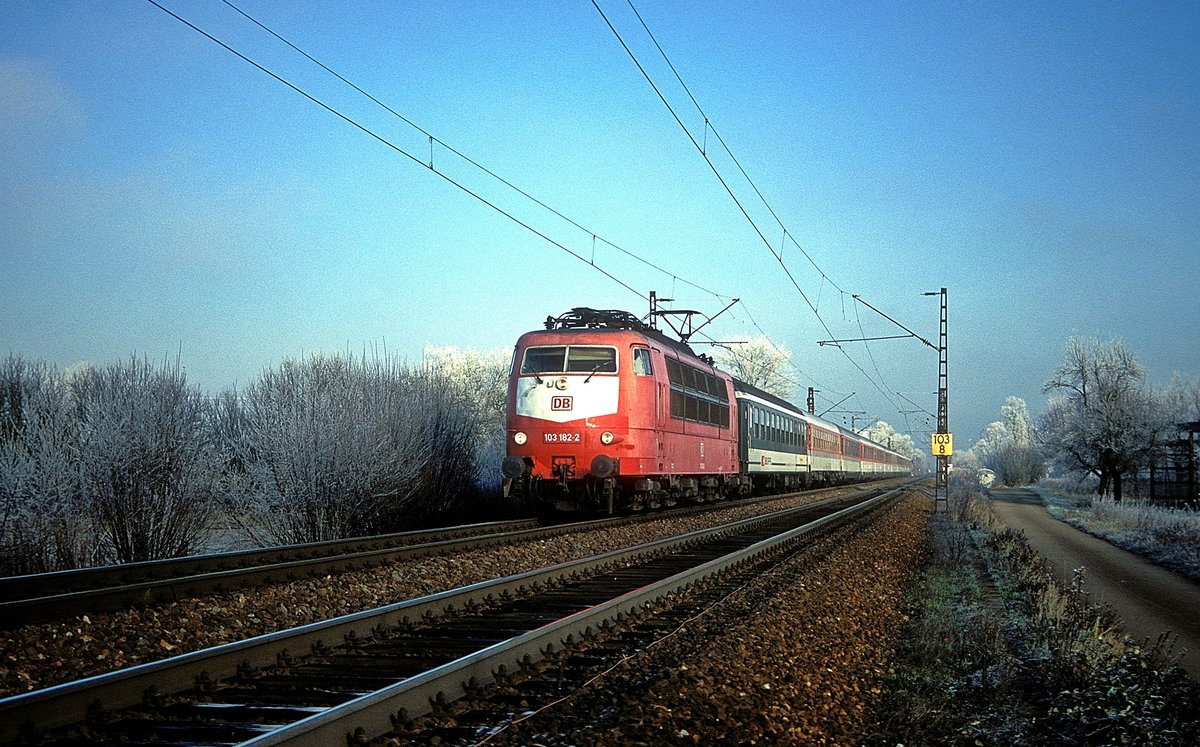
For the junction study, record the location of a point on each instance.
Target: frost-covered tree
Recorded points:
(1017, 421)
(42, 522)
(1007, 446)
(758, 362)
(332, 447)
(147, 460)
(991, 441)
(1101, 417)
(481, 379)
(1180, 401)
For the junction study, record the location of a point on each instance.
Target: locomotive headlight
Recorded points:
(561, 384)
(519, 438)
(606, 438)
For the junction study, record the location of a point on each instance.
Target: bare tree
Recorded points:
(1101, 418)
(335, 446)
(759, 362)
(1181, 400)
(147, 462)
(42, 524)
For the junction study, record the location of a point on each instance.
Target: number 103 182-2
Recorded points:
(562, 437)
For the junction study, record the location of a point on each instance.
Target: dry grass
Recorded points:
(996, 652)
(1168, 536)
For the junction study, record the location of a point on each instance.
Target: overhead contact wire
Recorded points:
(728, 189)
(435, 139)
(398, 149)
(708, 125)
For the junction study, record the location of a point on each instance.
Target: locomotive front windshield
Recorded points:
(587, 359)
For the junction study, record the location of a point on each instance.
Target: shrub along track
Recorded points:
(797, 655)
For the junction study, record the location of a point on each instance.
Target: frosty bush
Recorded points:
(147, 461)
(332, 447)
(481, 381)
(1169, 536)
(41, 518)
(1017, 465)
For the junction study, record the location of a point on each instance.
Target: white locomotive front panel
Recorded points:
(561, 399)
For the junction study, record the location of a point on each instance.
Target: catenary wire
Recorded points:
(709, 126)
(398, 149)
(461, 186)
(434, 139)
(473, 162)
(724, 183)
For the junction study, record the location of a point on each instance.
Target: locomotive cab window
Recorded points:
(641, 362)
(569, 359)
(581, 359)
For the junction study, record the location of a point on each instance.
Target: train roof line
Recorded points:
(747, 388)
(585, 318)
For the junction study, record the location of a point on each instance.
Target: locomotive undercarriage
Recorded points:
(615, 493)
(567, 492)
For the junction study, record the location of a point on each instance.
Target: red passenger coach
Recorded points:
(605, 412)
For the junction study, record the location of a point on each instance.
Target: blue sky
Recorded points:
(1040, 160)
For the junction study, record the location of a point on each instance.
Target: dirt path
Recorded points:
(1148, 598)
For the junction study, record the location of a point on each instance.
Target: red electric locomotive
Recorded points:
(605, 412)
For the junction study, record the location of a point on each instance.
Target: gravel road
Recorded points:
(1148, 598)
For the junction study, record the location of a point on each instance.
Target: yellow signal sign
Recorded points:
(942, 444)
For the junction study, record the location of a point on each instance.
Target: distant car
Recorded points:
(986, 478)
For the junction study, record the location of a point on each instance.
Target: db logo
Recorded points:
(561, 403)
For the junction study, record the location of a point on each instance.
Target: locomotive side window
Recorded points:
(641, 362)
(677, 405)
(697, 395)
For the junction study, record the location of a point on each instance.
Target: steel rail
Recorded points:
(14, 588)
(49, 596)
(375, 714)
(70, 703)
(171, 588)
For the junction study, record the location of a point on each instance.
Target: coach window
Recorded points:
(641, 362)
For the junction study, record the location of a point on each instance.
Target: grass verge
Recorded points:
(995, 652)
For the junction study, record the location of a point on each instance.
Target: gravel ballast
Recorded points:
(796, 657)
(45, 654)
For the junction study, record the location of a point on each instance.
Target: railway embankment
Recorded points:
(796, 656)
(921, 630)
(89, 643)
(998, 650)
(913, 627)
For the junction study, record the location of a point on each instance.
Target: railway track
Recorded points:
(51, 596)
(44, 596)
(376, 670)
